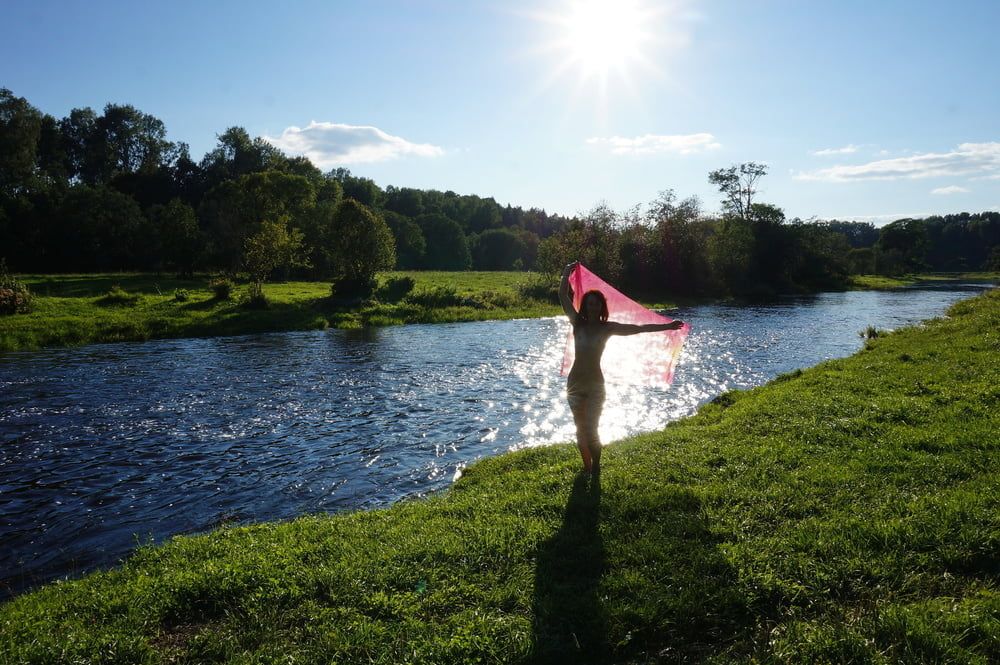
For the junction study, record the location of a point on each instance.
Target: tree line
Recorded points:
(108, 191)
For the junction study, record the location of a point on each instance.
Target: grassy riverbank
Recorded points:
(845, 513)
(73, 309)
(875, 282)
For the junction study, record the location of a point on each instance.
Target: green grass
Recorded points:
(845, 513)
(76, 309)
(867, 282)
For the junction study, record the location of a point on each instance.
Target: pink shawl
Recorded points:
(647, 358)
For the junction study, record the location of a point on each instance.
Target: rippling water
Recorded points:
(109, 445)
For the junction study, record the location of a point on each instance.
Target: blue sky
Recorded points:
(870, 110)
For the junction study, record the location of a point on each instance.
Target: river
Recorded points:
(106, 446)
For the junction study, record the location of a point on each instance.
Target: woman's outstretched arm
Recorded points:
(629, 329)
(564, 296)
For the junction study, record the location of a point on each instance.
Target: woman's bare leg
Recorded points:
(594, 408)
(595, 453)
(582, 435)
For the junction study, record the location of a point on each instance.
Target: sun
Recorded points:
(601, 39)
(600, 36)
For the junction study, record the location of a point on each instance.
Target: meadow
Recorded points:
(849, 512)
(71, 310)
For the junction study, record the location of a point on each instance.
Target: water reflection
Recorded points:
(103, 443)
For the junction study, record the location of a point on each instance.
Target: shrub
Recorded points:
(181, 295)
(119, 296)
(439, 296)
(395, 289)
(541, 288)
(871, 332)
(358, 287)
(222, 288)
(15, 298)
(491, 299)
(255, 299)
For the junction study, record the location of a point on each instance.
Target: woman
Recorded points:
(585, 385)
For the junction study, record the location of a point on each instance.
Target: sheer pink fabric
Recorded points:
(647, 358)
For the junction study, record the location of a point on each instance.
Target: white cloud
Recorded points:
(329, 144)
(651, 144)
(950, 189)
(968, 159)
(846, 150)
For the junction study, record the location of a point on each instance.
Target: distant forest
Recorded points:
(107, 191)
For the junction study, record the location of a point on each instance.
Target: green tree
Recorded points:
(233, 210)
(182, 241)
(902, 247)
(682, 238)
(363, 245)
(410, 242)
(130, 141)
(273, 246)
(96, 228)
(404, 200)
(79, 137)
(499, 249)
(594, 240)
(362, 190)
(738, 185)
(237, 154)
(447, 246)
(20, 126)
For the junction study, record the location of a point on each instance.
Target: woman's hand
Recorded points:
(565, 292)
(676, 324)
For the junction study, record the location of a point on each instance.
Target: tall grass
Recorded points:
(846, 513)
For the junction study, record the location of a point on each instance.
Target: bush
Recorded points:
(255, 299)
(15, 298)
(222, 288)
(119, 296)
(871, 332)
(541, 288)
(349, 288)
(491, 299)
(395, 289)
(439, 296)
(181, 295)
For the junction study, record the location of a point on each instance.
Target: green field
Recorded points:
(845, 513)
(71, 309)
(871, 282)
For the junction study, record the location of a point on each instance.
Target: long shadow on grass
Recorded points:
(569, 622)
(656, 586)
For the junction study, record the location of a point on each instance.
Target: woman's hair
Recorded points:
(581, 316)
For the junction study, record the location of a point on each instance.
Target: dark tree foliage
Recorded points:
(858, 234)
(411, 246)
(405, 201)
(447, 246)
(20, 130)
(182, 242)
(98, 229)
(233, 210)
(902, 246)
(363, 245)
(500, 249)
